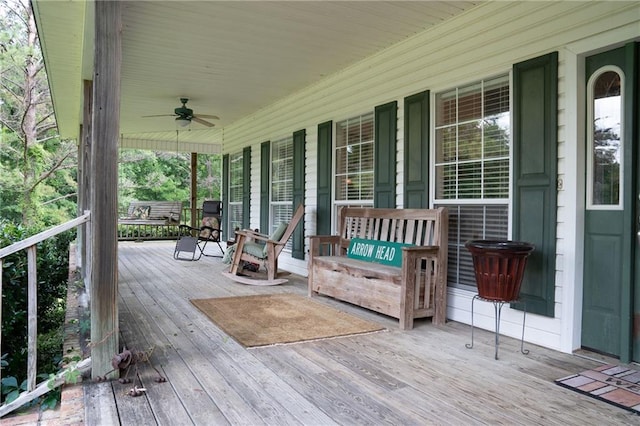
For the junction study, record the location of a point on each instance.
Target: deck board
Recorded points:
(415, 377)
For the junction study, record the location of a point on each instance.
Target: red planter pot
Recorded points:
(499, 267)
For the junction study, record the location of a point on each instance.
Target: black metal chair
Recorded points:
(193, 241)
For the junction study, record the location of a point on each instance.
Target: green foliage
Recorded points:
(52, 269)
(10, 388)
(166, 176)
(37, 168)
(71, 374)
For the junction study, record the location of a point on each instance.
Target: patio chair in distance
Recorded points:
(193, 241)
(262, 250)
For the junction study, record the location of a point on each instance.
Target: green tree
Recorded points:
(37, 168)
(156, 175)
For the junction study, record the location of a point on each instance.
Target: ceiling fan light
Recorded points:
(182, 122)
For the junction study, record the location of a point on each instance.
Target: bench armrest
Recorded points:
(324, 245)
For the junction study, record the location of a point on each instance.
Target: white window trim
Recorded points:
(589, 135)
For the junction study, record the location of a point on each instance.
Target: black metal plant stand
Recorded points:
(499, 268)
(497, 307)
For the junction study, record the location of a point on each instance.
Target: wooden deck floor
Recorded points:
(417, 377)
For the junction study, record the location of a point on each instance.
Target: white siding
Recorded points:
(483, 42)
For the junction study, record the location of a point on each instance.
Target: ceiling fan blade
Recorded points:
(214, 117)
(201, 121)
(160, 115)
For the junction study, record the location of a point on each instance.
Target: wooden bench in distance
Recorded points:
(416, 289)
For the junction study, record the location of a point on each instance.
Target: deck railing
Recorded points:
(29, 244)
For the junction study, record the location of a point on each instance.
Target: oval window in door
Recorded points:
(605, 144)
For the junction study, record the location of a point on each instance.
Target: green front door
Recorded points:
(610, 215)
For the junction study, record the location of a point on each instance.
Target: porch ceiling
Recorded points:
(229, 58)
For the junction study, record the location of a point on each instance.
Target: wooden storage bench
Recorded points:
(150, 220)
(415, 288)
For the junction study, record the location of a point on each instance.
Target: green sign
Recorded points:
(376, 251)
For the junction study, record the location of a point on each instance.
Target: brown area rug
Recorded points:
(280, 318)
(617, 385)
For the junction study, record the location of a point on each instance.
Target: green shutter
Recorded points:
(416, 151)
(297, 240)
(246, 187)
(384, 171)
(323, 202)
(265, 184)
(535, 144)
(225, 197)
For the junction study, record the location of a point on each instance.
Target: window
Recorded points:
(472, 144)
(604, 170)
(236, 185)
(281, 202)
(354, 162)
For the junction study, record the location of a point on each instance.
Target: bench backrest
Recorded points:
(159, 209)
(421, 227)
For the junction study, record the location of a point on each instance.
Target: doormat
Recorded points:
(617, 385)
(271, 319)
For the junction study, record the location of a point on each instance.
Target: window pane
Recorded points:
(446, 182)
(280, 213)
(472, 223)
(341, 156)
(469, 141)
(354, 159)
(234, 211)
(496, 131)
(447, 112)
(496, 96)
(235, 178)
(470, 102)
(282, 170)
(469, 180)
(367, 128)
(366, 157)
(236, 186)
(607, 142)
(496, 179)
(446, 149)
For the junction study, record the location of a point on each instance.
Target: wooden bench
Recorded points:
(150, 220)
(415, 289)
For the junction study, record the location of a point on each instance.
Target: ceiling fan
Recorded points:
(185, 115)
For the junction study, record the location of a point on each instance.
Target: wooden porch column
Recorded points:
(194, 190)
(104, 208)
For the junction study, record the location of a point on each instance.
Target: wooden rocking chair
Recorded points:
(248, 249)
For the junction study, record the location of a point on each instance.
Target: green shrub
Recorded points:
(52, 271)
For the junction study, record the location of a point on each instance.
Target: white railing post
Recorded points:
(32, 315)
(87, 269)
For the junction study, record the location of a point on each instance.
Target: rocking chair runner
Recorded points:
(266, 255)
(194, 240)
